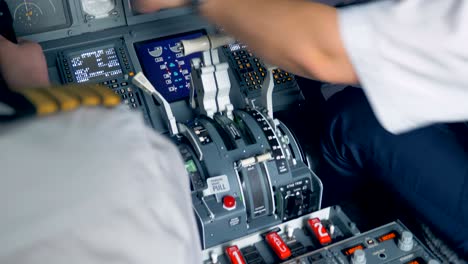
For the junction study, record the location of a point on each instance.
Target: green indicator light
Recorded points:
(190, 166)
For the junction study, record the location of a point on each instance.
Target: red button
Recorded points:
(319, 231)
(235, 255)
(278, 245)
(229, 202)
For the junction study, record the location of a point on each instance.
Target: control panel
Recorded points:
(325, 236)
(106, 63)
(250, 71)
(245, 175)
(166, 67)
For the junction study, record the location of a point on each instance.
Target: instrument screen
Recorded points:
(95, 65)
(36, 16)
(165, 66)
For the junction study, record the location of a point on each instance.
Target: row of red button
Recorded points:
(278, 245)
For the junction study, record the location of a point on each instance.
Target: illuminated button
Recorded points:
(244, 57)
(134, 106)
(105, 83)
(113, 81)
(235, 255)
(246, 61)
(286, 73)
(132, 100)
(319, 231)
(130, 94)
(276, 76)
(235, 54)
(263, 74)
(128, 67)
(124, 84)
(115, 86)
(278, 245)
(229, 202)
(122, 90)
(131, 74)
(289, 79)
(278, 82)
(124, 96)
(241, 66)
(251, 78)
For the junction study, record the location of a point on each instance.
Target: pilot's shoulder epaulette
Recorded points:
(50, 100)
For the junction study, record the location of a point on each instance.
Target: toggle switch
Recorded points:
(278, 245)
(319, 231)
(235, 255)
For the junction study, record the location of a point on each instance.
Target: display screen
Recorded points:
(95, 65)
(36, 16)
(165, 66)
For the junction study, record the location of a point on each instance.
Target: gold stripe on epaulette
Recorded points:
(109, 98)
(67, 101)
(44, 104)
(88, 97)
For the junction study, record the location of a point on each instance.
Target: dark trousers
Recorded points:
(426, 168)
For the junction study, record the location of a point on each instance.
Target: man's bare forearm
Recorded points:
(298, 36)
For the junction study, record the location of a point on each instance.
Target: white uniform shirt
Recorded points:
(93, 186)
(411, 57)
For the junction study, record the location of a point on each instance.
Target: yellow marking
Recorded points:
(44, 105)
(109, 98)
(67, 101)
(87, 96)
